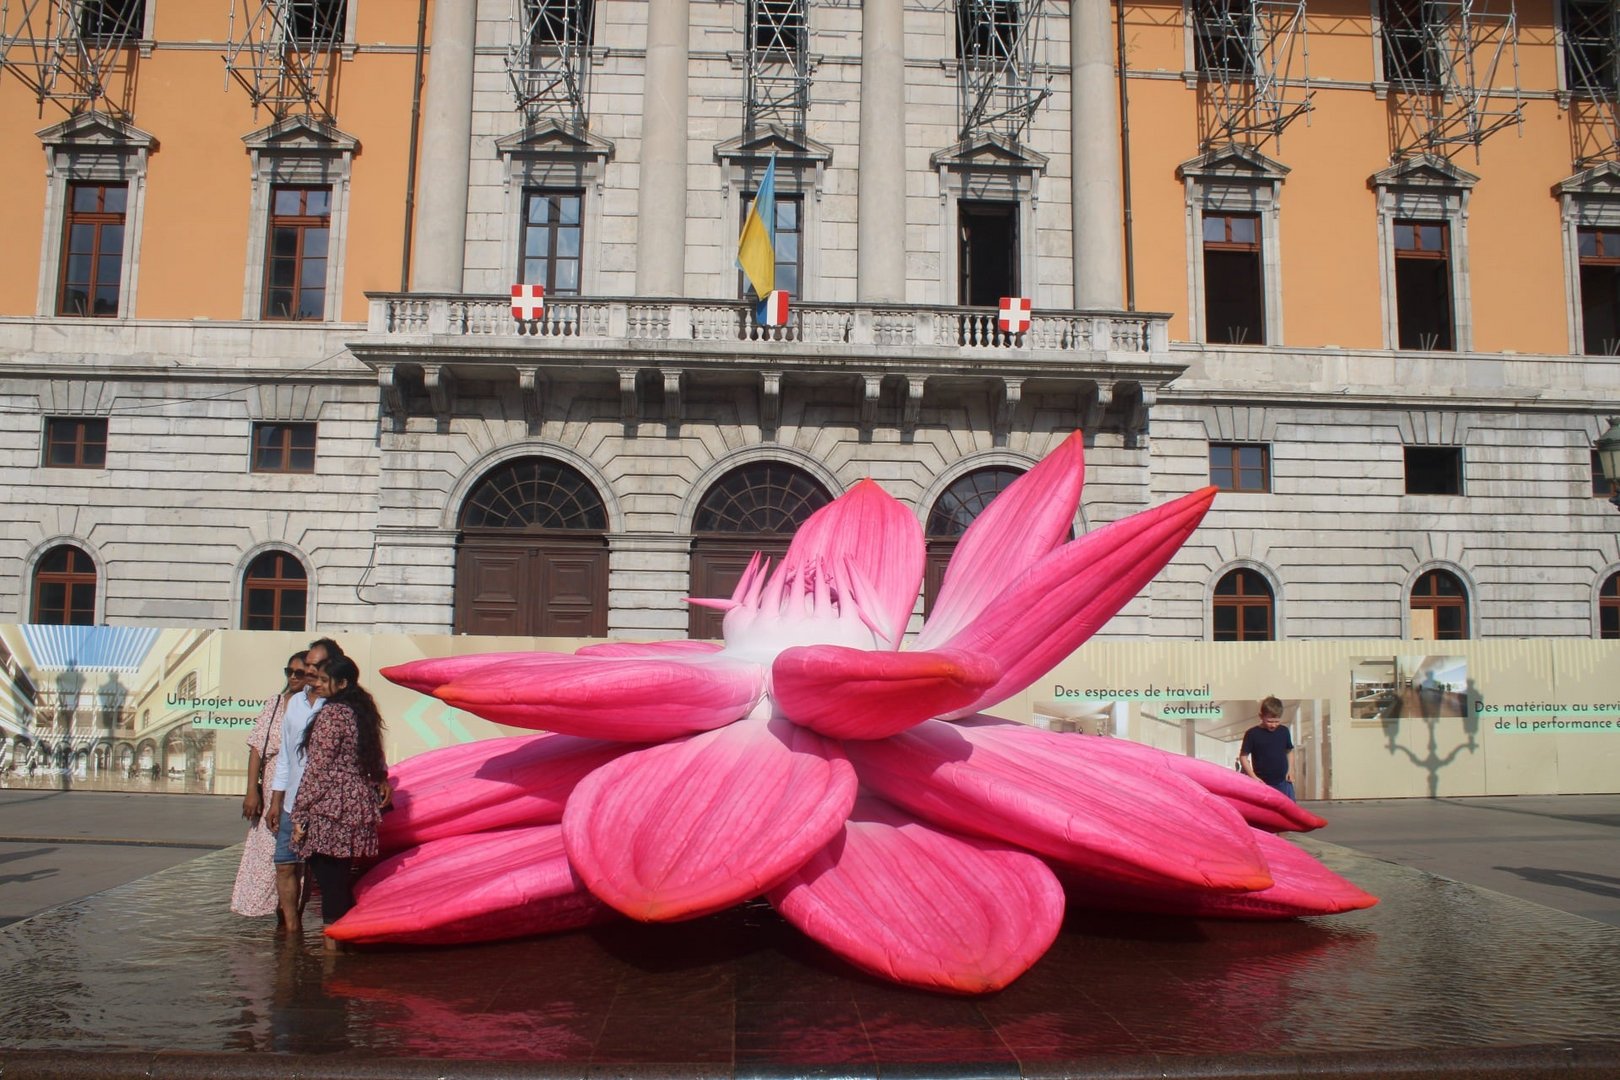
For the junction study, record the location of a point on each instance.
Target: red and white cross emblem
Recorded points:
(1014, 315)
(528, 302)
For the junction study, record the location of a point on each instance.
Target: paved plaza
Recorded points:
(1494, 953)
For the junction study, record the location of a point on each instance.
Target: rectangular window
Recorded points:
(789, 233)
(1223, 32)
(778, 28)
(1434, 470)
(987, 258)
(1599, 251)
(93, 250)
(986, 30)
(1591, 47)
(317, 24)
(1240, 466)
(1423, 285)
(552, 238)
(1234, 280)
(108, 21)
(559, 22)
(295, 266)
(1410, 42)
(283, 448)
(73, 442)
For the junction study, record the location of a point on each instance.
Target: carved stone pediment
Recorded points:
(550, 138)
(989, 152)
(1233, 164)
(304, 136)
(1600, 181)
(94, 130)
(1424, 171)
(797, 151)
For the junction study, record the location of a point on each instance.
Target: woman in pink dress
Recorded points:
(255, 891)
(344, 788)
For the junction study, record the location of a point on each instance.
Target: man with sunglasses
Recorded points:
(289, 771)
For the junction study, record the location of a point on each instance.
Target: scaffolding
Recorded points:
(1253, 63)
(549, 59)
(1591, 48)
(777, 66)
(76, 53)
(285, 54)
(1000, 78)
(1454, 68)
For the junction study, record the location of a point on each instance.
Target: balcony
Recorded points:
(1108, 365)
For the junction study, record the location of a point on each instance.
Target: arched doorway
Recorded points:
(951, 515)
(754, 507)
(533, 557)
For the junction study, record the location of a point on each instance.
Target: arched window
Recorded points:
(951, 515)
(275, 593)
(188, 686)
(1439, 607)
(65, 588)
(1241, 609)
(1609, 608)
(754, 507)
(533, 554)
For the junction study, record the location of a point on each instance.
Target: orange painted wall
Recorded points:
(1328, 231)
(194, 235)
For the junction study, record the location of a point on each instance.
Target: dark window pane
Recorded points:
(1256, 623)
(1226, 622)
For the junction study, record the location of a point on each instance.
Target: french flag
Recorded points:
(773, 310)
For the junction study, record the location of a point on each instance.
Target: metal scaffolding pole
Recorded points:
(1000, 46)
(777, 77)
(1591, 54)
(1454, 65)
(76, 53)
(1253, 62)
(284, 53)
(549, 60)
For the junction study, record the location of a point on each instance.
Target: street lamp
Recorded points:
(1608, 455)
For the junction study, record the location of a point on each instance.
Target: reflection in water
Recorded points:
(161, 963)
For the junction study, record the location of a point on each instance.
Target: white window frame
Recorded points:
(1426, 188)
(1587, 200)
(92, 148)
(801, 166)
(551, 157)
(298, 151)
(1235, 180)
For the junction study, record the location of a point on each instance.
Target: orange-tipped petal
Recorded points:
(1067, 596)
(877, 535)
(426, 676)
(1023, 523)
(1301, 886)
(626, 700)
(1262, 806)
(860, 694)
(679, 647)
(485, 887)
(490, 784)
(1025, 787)
(924, 907)
(686, 828)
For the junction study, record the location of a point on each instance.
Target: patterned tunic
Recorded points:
(255, 891)
(336, 803)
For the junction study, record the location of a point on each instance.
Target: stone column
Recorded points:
(880, 255)
(446, 148)
(1094, 142)
(661, 199)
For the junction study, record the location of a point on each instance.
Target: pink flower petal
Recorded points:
(860, 694)
(491, 784)
(426, 676)
(1126, 821)
(1022, 524)
(1301, 886)
(629, 700)
(1068, 595)
(923, 907)
(679, 647)
(690, 827)
(880, 538)
(484, 887)
(1261, 806)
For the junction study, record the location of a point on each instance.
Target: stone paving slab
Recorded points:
(155, 978)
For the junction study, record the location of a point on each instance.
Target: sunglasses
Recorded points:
(295, 671)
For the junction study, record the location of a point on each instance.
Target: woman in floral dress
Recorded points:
(255, 891)
(344, 788)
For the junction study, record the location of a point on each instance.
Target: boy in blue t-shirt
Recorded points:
(1267, 753)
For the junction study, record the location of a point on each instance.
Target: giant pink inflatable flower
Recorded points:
(820, 760)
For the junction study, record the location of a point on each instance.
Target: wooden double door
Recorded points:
(531, 585)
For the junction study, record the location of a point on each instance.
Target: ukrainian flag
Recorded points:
(756, 247)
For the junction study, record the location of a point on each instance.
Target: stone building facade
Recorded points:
(217, 438)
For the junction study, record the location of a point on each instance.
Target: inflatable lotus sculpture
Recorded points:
(819, 759)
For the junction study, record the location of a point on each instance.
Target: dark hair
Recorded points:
(299, 655)
(333, 649)
(1271, 706)
(368, 722)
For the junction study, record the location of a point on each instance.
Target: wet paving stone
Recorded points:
(161, 965)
